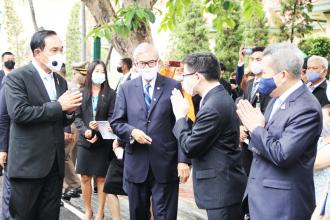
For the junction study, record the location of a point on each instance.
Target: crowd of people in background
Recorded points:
(257, 143)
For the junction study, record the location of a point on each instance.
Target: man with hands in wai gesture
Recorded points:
(212, 142)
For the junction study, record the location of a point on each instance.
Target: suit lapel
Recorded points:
(158, 91)
(40, 85)
(139, 94)
(57, 85)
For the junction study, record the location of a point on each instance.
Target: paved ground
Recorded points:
(73, 210)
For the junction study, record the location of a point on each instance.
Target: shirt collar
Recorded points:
(317, 85)
(41, 72)
(288, 92)
(152, 82)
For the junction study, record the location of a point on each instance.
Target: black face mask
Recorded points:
(232, 81)
(120, 69)
(9, 64)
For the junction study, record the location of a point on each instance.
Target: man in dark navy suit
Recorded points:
(143, 118)
(39, 107)
(212, 143)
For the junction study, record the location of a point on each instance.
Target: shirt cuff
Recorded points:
(240, 64)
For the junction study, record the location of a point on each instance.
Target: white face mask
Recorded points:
(325, 130)
(178, 78)
(187, 88)
(98, 79)
(149, 73)
(55, 62)
(255, 67)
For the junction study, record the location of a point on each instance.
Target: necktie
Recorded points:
(254, 89)
(147, 98)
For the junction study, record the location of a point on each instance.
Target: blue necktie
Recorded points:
(147, 98)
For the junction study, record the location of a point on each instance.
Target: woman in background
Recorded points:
(94, 153)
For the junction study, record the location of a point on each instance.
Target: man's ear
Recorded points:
(36, 51)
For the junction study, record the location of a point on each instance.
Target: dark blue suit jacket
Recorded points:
(281, 183)
(218, 177)
(163, 155)
(4, 120)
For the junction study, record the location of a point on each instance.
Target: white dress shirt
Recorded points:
(48, 80)
(152, 86)
(280, 100)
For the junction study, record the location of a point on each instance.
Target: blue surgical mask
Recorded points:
(313, 76)
(98, 79)
(266, 86)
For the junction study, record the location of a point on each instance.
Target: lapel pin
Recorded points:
(283, 106)
(155, 99)
(158, 88)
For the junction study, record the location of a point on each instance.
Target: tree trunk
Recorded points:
(33, 14)
(83, 32)
(103, 12)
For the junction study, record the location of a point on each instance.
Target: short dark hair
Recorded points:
(128, 62)
(38, 39)
(222, 67)
(258, 49)
(205, 63)
(63, 69)
(6, 53)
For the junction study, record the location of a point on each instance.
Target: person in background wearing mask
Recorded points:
(125, 66)
(94, 152)
(8, 64)
(317, 70)
(322, 161)
(252, 95)
(4, 136)
(39, 106)
(212, 143)
(283, 142)
(143, 119)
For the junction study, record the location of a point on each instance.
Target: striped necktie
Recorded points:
(147, 98)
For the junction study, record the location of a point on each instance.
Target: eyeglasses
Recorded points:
(142, 64)
(188, 74)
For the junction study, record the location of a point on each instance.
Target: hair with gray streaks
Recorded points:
(285, 56)
(323, 60)
(144, 48)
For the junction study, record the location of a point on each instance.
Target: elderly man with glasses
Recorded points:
(143, 120)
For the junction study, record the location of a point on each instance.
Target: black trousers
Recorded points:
(164, 197)
(36, 199)
(232, 212)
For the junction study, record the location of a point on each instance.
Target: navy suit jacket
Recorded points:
(218, 176)
(4, 120)
(163, 155)
(280, 184)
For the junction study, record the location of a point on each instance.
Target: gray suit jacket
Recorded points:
(281, 183)
(37, 124)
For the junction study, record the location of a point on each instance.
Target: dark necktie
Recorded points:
(147, 98)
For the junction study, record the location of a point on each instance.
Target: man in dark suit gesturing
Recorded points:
(39, 107)
(284, 141)
(144, 119)
(212, 143)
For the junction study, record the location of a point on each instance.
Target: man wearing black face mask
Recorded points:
(8, 60)
(124, 68)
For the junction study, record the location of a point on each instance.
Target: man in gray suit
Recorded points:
(284, 141)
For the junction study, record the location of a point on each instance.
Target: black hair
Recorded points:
(105, 88)
(6, 53)
(305, 63)
(127, 61)
(222, 67)
(38, 39)
(258, 49)
(205, 63)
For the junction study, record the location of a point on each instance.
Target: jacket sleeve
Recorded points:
(119, 121)
(80, 124)
(197, 141)
(297, 136)
(19, 108)
(4, 122)
(239, 74)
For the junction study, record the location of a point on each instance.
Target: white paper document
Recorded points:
(104, 130)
